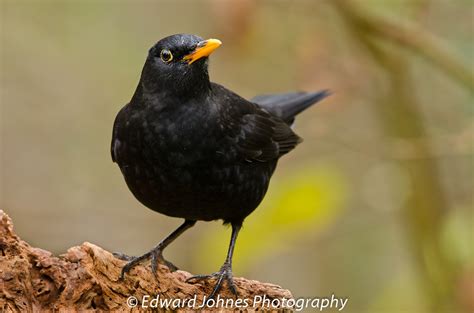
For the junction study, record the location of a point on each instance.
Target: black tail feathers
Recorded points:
(286, 106)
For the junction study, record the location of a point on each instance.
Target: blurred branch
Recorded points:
(400, 117)
(410, 36)
(87, 278)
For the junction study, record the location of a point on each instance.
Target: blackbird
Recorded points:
(192, 149)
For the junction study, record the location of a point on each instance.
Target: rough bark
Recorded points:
(87, 277)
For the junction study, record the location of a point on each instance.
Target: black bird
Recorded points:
(193, 149)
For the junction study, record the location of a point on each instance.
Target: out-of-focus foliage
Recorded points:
(457, 237)
(375, 204)
(305, 202)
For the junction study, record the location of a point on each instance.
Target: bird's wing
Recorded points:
(254, 134)
(287, 105)
(262, 137)
(115, 145)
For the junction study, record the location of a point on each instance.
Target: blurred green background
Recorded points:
(375, 205)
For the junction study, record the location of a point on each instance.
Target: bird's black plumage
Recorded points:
(193, 149)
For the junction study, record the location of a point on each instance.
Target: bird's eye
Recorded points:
(166, 56)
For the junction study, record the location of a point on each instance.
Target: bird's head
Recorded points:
(178, 64)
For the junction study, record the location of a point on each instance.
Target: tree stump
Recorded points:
(87, 277)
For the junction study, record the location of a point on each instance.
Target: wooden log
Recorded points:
(87, 277)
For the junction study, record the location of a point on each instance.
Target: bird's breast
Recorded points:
(180, 137)
(174, 162)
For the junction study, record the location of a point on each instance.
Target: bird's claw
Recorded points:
(225, 273)
(156, 256)
(122, 256)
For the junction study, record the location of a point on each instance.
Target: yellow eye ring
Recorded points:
(166, 56)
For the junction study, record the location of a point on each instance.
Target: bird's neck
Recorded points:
(158, 96)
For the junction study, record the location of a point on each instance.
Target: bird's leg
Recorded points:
(225, 273)
(156, 254)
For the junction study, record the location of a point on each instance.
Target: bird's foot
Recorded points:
(162, 260)
(123, 256)
(225, 273)
(156, 256)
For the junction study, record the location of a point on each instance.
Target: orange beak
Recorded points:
(203, 49)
